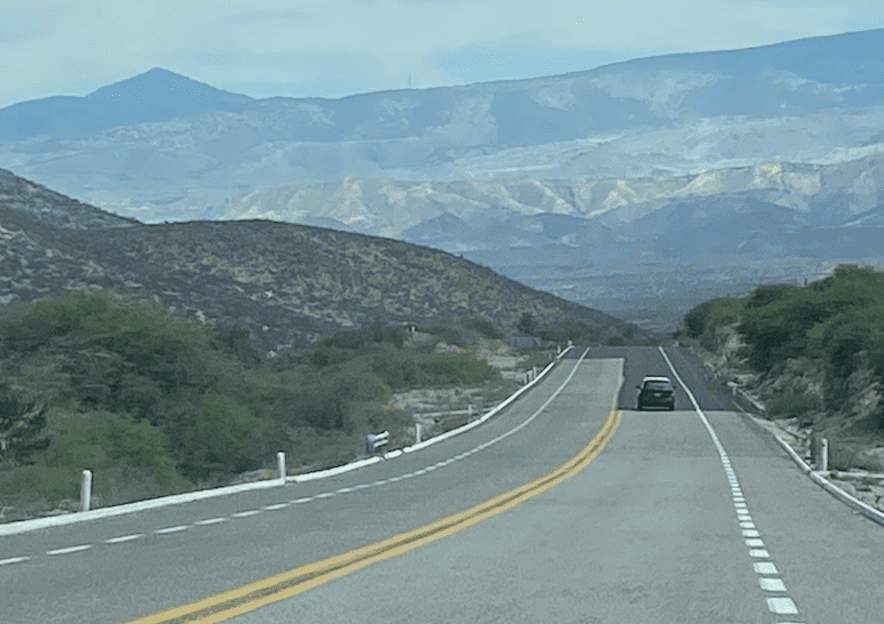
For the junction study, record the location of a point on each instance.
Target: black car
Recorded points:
(656, 391)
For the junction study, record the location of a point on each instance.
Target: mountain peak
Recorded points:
(162, 85)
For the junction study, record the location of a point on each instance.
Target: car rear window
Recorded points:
(657, 385)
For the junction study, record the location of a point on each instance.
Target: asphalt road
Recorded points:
(653, 529)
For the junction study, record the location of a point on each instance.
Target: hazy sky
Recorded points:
(333, 48)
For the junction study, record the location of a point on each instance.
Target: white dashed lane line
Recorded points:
(768, 580)
(246, 514)
(69, 549)
(124, 538)
(209, 521)
(275, 507)
(321, 495)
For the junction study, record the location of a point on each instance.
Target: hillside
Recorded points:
(810, 358)
(155, 402)
(287, 284)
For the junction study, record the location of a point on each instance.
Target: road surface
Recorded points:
(659, 526)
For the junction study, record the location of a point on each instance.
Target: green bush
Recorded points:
(39, 483)
(214, 439)
(98, 440)
(526, 324)
(709, 315)
(455, 368)
(833, 318)
(786, 405)
(446, 331)
(486, 328)
(22, 422)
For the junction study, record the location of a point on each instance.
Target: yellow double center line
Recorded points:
(250, 596)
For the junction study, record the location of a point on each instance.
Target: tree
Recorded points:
(526, 324)
(21, 427)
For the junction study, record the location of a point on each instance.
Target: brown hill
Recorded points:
(288, 284)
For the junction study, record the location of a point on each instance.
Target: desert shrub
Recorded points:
(455, 368)
(397, 368)
(840, 337)
(322, 398)
(526, 324)
(833, 318)
(234, 341)
(445, 330)
(214, 439)
(786, 405)
(709, 315)
(615, 341)
(26, 484)
(486, 328)
(22, 421)
(99, 440)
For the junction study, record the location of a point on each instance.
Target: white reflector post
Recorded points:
(85, 490)
(280, 466)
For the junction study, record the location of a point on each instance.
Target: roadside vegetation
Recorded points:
(812, 350)
(155, 402)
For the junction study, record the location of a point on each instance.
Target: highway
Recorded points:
(654, 523)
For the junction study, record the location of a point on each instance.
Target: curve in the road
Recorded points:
(224, 605)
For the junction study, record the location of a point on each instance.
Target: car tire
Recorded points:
(672, 407)
(639, 407)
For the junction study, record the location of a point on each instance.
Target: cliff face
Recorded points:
(288, 284)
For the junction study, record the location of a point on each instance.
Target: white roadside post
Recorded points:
(824, 455)
(374, 442)
(417, 433)
(280, 466)
(85, 490)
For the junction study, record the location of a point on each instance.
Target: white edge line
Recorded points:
(851, 501)
(24, 526)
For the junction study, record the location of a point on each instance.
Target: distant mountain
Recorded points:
(160, 146)
(555, 181)
(156, 95)
(288, 284)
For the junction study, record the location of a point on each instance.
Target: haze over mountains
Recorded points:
(639, 188)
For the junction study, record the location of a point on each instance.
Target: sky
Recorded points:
(335, 48)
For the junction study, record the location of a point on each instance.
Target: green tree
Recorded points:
(21, 427)
(526, 324)
(214, 440)
(101, 440)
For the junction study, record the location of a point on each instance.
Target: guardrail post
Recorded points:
(85, 490)
(824, 455)
(280, 466)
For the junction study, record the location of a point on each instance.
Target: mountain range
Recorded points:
(636, 188)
